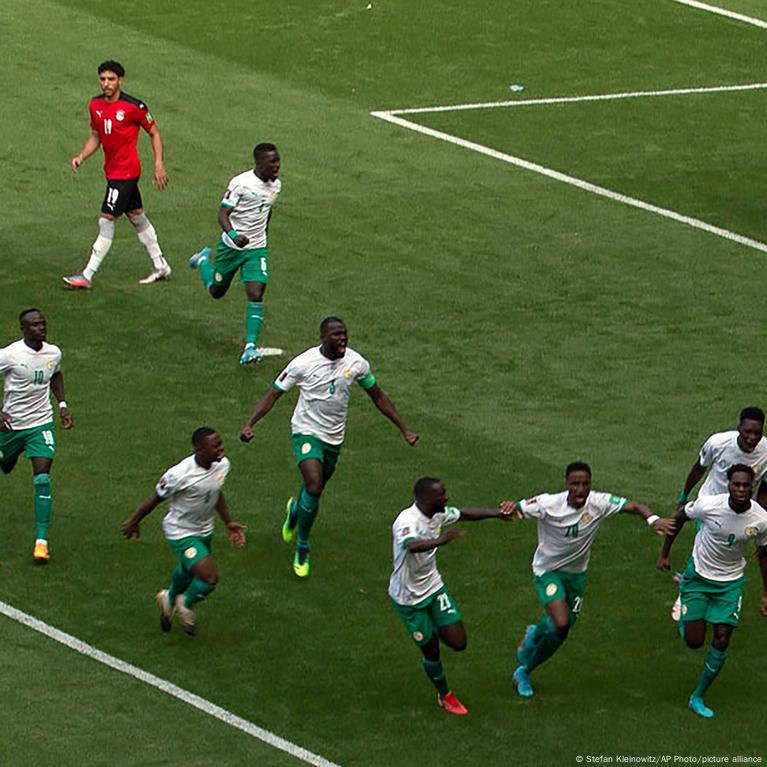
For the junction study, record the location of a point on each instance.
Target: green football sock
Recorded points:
(254, 317)
(207, 273)
(197, 591)
(179, 583)
(307, 507)
(545, 643)
(436, 673)
(712, 665)
(43, 504)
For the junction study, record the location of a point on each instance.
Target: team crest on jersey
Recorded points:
(751, 532)
(191, 552)
(551, 589)
(50, 365)
(418, 636)
(586, 518)
(119, 115)
(347, 373)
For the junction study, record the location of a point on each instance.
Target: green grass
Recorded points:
(517, 323)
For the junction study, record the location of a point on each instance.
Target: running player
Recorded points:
(712, 584)
(31, 368)
(745, 445)
(244, 216)
(416, 588)
(324, 375)
(568, 523)
(193, 488)
(115, 121)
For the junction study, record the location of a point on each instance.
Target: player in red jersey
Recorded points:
(115, 121)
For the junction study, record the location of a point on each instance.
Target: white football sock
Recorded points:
(100, 247)
(147, 236)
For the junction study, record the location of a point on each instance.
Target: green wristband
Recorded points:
(682, 497)
(231, 234)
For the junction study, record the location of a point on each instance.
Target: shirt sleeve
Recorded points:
(451, 515)
(168, 484)
(364, 376)
(231, 195)
(92, 113)
(289, 377)
(610, 504)
(5, 362)
(532, 508)
(694, 510)
(403, 532)
(146, 119)
(57, 365)
(707, 454)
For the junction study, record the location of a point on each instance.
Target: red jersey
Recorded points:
(117, 124)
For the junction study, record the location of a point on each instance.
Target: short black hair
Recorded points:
(740, 467)
(261, 148)
(577, 466)
(330, 321)
(199, 435)
(423, 484)
(110, 65)
(26, 312)
(752, 414)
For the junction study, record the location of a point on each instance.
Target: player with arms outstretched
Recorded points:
(193, 489)
(116, 119)
(568, 523)
(324, 376)
(244, 216)
(713, 581)
(416, 588)
(31, 369)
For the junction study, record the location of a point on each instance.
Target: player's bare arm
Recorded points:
(57, 387)
(262, 408)
(160, 175)
(226, 224)
(386, 406)
(415, 545)
(664, 560)
(90, 146)
(235, 530)
(5, 421)
(132, 527)
(696, 474)
(661, 525)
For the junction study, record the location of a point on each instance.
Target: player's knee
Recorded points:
(459, 645)
(216, 291)
(314, 487)
(694, 642)
(563, 631)
(720, 643)
(210, 578)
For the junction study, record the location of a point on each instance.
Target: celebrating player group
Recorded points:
(728, 510)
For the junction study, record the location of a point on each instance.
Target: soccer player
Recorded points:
(115, 121)
(567, 527)
(745, 445)
(193, 488)
(31, 369)
(416, 588)
(712, 585)
(244, 216)
(324, 375)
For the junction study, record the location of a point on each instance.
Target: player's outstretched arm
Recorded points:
(235, 530)
(160, 174)
(661, 525)
(386, 406)
(475, 515)
(90, 146)
(415, 545)
(57, 387)
(131, 528)
(262, 408)
(664, 560)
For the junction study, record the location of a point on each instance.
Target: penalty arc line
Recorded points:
(211, 709)
(572, 181)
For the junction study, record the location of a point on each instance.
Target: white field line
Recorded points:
(575, 99)
(724, 12)
(393, 116)
(167, 687)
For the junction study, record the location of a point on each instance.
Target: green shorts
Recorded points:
(253, 264)
(192, 549)
(37, 442)
(558, 584)
(425, 619)
(306, 446)
(711, 601)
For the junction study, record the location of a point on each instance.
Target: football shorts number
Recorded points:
(48, 438)
(577, 604)
(263, 265)
(444, 603)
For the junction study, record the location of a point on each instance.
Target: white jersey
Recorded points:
(325, 386)
(720, 452)
(415, 576)
(193, 493)
(250, 201)
(27, 383)
(720, 543)
(566, 534)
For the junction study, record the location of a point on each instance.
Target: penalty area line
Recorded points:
(724, 12)
(586, 186)
(211, 709)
